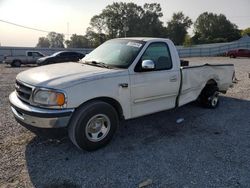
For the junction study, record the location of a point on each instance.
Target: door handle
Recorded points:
(173, 78)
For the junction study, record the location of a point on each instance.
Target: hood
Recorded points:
(64, 75)
(45, 58)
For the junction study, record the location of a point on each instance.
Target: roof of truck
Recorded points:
(146, 39)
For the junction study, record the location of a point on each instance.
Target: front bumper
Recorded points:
(39, 117)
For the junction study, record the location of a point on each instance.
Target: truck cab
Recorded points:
(33, 56)
(30, 57)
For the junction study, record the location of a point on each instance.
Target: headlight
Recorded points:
(49, 98)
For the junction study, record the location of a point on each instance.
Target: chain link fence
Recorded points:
(211, 50)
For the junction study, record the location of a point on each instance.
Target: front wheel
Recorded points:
(93, 125)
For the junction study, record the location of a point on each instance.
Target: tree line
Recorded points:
(131, 20)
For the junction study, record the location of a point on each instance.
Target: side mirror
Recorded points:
(148, 65)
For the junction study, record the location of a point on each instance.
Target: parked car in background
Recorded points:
(59, 57)
(238, 53)
(29, 58)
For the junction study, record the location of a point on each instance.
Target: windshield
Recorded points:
(115, 53)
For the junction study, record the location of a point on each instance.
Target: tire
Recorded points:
(16, 63)
(93, 125)
(209, 97)
(232, 56)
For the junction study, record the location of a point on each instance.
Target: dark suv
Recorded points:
(59, 57)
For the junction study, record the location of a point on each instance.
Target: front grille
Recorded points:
(23, 91)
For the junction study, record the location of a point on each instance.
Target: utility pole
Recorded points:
(125, 28)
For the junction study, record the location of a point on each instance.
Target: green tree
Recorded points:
(95, 33)
(77, 41)
(177, 27)
(56, 40)
(246, 32)
(97, 23)
(120, 18)
(210, 28)
(126, 19)
(95, 39)
(187, 41)
(43, 42)
(131, 20)
(151, 26)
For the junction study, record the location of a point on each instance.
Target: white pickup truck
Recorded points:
(29, 58)
(121, 79)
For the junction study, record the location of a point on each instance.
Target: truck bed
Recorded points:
(194, 79)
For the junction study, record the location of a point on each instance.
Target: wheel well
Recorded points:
(110, 101)
(209, 83)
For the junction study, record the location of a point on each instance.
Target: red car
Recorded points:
(238, 53)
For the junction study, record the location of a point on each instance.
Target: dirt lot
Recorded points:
(211, 148)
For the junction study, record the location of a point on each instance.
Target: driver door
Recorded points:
(154, 90)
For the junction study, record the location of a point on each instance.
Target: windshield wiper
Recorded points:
(99, 64)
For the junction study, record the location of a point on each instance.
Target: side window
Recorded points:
(29, 53)
(36, 54)
(159, 53)
(63, 54)
(72, 54)
(68, 54)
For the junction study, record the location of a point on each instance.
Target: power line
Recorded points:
(239, 16)
(26, 27)
(31, 28)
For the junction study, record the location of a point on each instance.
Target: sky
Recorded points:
(73, 16)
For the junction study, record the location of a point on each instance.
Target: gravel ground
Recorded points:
(210, 148)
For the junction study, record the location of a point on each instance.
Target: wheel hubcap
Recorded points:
(97, 127)
(215, 100)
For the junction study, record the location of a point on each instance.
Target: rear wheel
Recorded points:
(93, 125)
(209, 96)
(16, 63)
